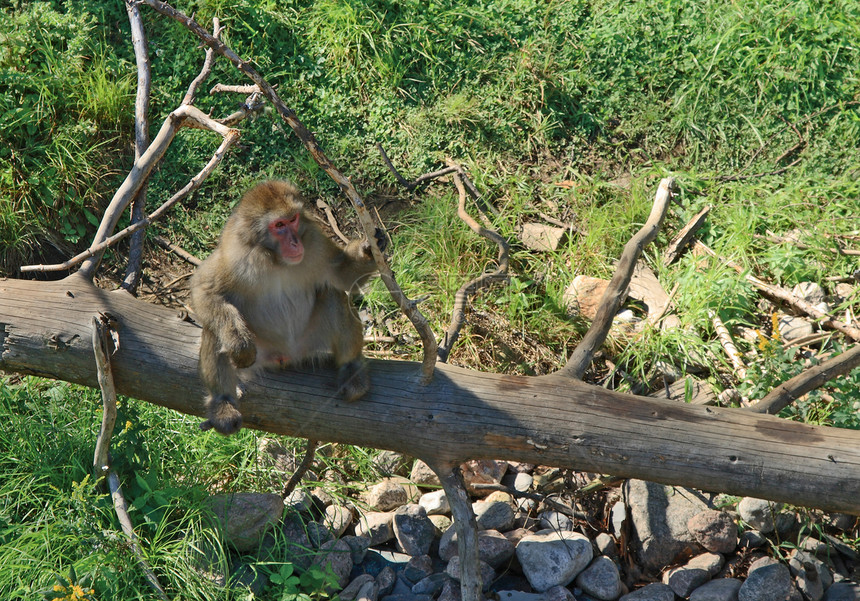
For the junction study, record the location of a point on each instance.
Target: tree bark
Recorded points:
(462, 414)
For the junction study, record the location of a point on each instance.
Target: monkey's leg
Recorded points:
(219, 376)
(336, 321)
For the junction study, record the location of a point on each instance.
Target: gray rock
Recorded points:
(794, 328)
(752, 539)
(659, 516)
(600, 579)
(843, 591)
(559, 593)
(841, 521)
(392, 463)
(712, 563)
(618, 515)
(494, 548)
(767, 583)
(551, 559)
(406, 597)
(318, 533)
(337, 554)
(450, 591)
(299, 500)
(244, 518)
(385, 495)
(606, 545)
(376, 526)
(809, 291)
(685, 580)
(431, 585)
(722, 589)
(758, 513)
(656, 591)
(422, 475)
(487, 572)
(540, 237)
(337, 519)
(493, 515)
(554, 520)
(714, 530)
(296, 543)
(246, 576)
(516, 595)
(385, 580)
(358, 546)
(352, 589)
(413, 530)
(418, 568)
(811, 574)
(368, 592)
(435, 503)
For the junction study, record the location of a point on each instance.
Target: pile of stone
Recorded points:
(396, 542)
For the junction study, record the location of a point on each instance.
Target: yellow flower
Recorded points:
(59, 588)
(774, 319)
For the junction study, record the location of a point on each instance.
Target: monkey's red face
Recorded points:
(285, 232)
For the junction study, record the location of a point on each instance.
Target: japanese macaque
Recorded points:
(274, 292)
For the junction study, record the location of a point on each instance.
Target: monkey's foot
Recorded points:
(223, 415)
(353, 380)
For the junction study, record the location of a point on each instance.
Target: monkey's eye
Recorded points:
(283, 224)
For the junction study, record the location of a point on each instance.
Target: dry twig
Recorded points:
(461, 298)
(101, 462)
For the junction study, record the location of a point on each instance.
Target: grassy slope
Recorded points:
(605, 97)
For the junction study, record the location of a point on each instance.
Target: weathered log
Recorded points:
(462, 414)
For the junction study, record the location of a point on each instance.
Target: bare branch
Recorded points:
(95, 250)
(421, 179)
(302, 469)
(249, 89)
(581, 357)
(465, 525)
(409, 308)
(469, 288)
(141, 140)
(788, 392)
(180, 252)
(206, 70)
(729, 346)
(105, 379)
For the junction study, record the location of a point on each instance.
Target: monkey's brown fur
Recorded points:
(259, 306)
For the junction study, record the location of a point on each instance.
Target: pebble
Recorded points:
(715, 530)
(758, 513)
(551, 559)
(600, 579)
(656, 591)
(722, 589)
(768, 582)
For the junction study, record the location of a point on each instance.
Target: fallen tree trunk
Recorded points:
(462, 414)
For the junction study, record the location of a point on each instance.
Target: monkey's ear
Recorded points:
(381, 239)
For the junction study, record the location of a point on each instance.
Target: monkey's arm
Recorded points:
(222, 319)
(352, 265)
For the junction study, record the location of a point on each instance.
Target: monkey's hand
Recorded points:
(223, 415)
(381, 242)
